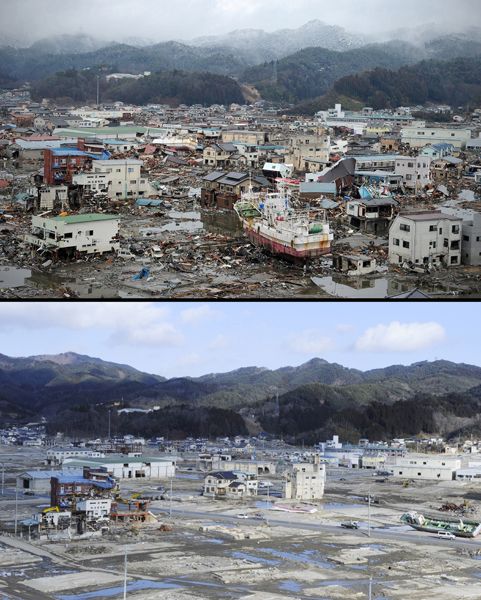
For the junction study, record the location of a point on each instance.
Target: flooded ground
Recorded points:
(189, 253)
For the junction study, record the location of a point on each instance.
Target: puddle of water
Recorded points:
(255, 559)
(364, 288)
(213, 541)
(340, 506)
(11, 277)
(379, 547)
(114, 591)
(302, 557)
(264, 505)
(290, 586)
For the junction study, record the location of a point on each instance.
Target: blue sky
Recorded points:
(195, 338)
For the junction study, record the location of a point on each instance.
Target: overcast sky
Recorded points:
(164, 19)
(177, 339)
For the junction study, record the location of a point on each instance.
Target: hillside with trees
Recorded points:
(456, 82)
(164, 87)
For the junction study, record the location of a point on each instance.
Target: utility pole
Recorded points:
(16, 507)
(170, 497)
(98, 91)
(125, 574)
(3, 479)
(109, 425)
(370, 588)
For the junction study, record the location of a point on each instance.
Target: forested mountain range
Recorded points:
(307, 402)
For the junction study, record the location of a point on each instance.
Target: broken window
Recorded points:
(406, 245)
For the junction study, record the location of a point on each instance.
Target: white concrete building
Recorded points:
(416, 172)
(86, 234)
(306, 481)
(425, 467)
(127, 467)
(126, 180)
(225, 462)
(419, 137)
(425, 239)
(93, 182)
(308, 146)
(471, 244)
(95, 508)
(51, 195)
(56, 456)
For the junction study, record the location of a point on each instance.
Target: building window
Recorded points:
(406, 245)
(454, 260)
(455, 229)
(433, 228)
(396, 242)
(404, 227)
(68, 236)
(466, 238)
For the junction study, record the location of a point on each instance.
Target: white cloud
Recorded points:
(400, 337)
(311, 342)
(219, 343)
(197, 314)
(345, 328)
(129, 323)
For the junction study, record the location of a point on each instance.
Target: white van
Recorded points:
(446, 535)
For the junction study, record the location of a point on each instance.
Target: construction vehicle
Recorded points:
(50, 509)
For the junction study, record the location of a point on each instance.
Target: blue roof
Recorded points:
(44, 474)
(76, 152)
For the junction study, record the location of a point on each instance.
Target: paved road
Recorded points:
(377, 534)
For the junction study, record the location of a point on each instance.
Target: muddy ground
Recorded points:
(211, 553)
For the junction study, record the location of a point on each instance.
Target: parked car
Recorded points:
(350, 525)
(446, 535)
(242, 516)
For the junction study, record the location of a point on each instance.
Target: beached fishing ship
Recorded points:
(459, 528)
(271, 222)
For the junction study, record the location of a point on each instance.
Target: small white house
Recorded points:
(86, 234)
(228, 484)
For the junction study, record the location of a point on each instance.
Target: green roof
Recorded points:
(72, 219)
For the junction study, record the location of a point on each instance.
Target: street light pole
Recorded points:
(171, 484)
